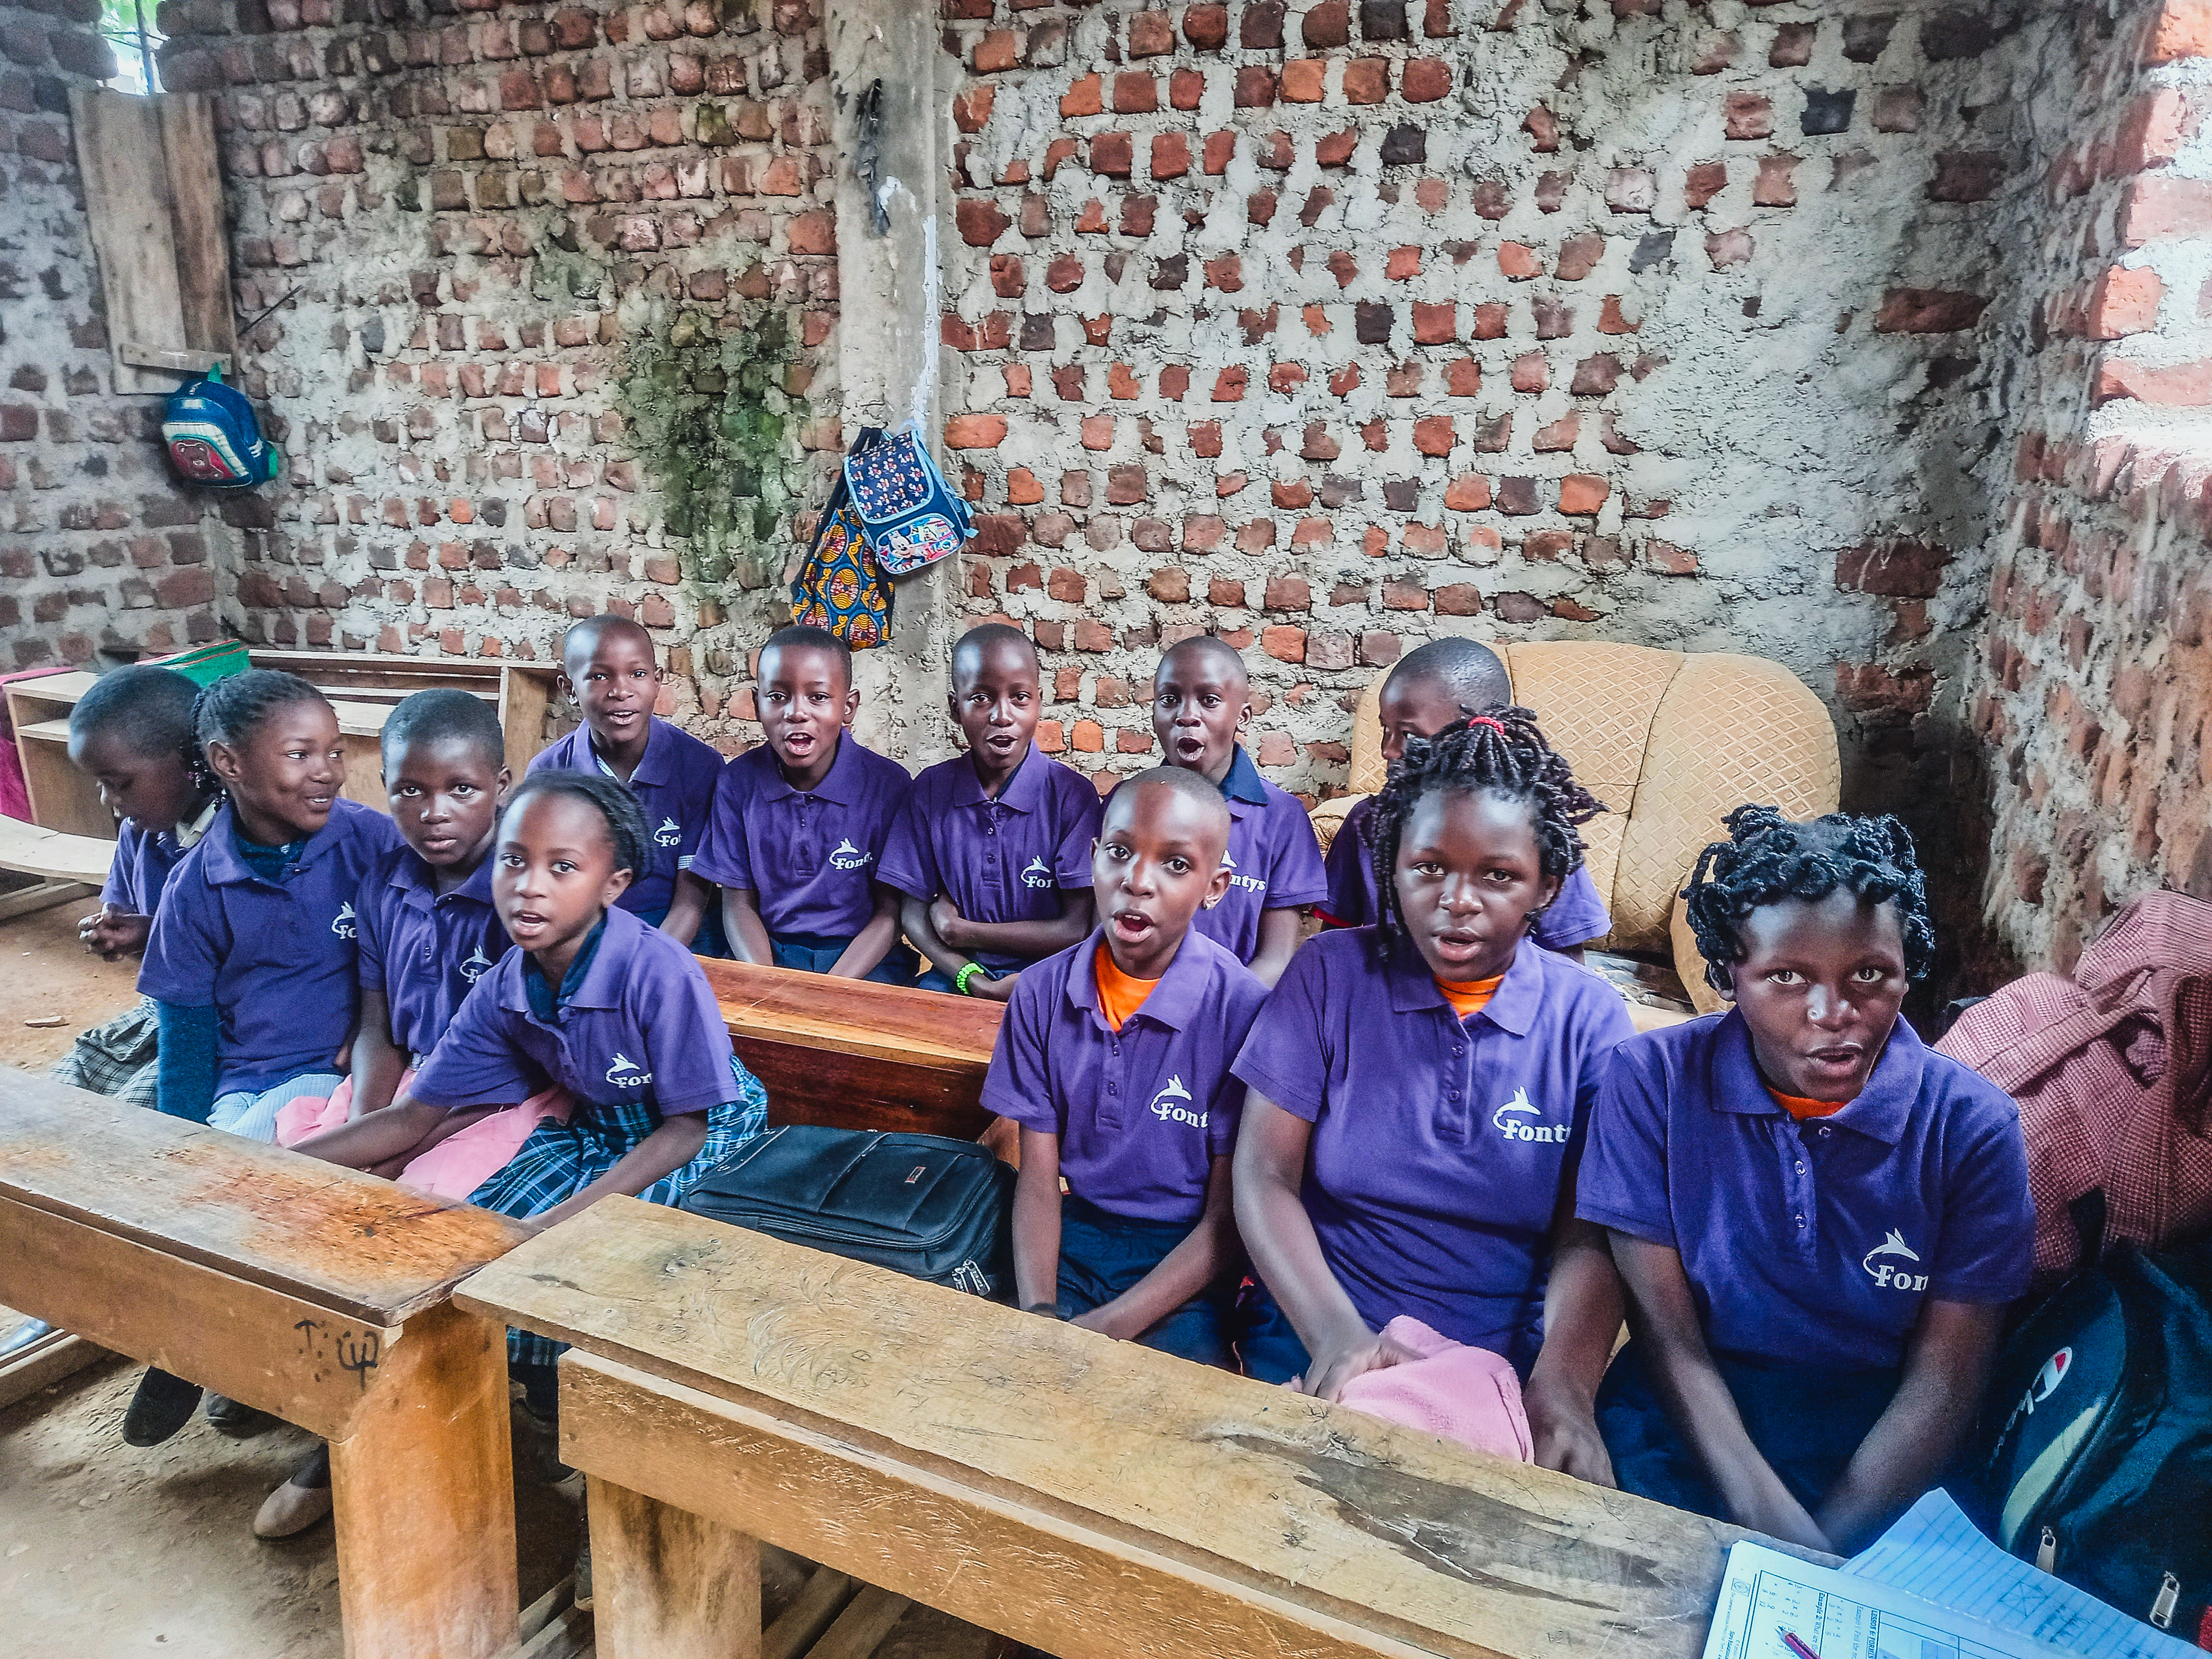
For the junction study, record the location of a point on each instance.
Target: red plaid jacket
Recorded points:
(2111, 1069)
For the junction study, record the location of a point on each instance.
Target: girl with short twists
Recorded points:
(1503, 754)
(1819, 1221)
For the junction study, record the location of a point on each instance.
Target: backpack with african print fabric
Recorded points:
(841, 587)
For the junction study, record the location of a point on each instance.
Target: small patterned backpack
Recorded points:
(910, 515)
(841, 587)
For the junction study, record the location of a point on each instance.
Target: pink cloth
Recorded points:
(1464, 1394)
(14, 795)
(457, 1165)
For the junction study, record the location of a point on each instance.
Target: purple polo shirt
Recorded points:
(141, 868)
(1275, 861)
(1139, 1112)
(424, 948)
(1440, 1145)
(1813, 1244)
(275, 962)
(674, 782)
(1007, 859)
(809, 860)
(641, 1029)
(1575, 917)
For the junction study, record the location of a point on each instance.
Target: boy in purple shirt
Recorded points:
(1435, 686)
(992, 850)
(132, 733)
(1201, 701)
(607, 666)
(1114, 1060)
(1820, 1220)
(797, 834)
(1418, 1090)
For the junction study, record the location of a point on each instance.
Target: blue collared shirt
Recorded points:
(422, 949)
(1003, 860)
(1815, 1243)
(1140, 1112)
(674, 783)
(1273, 859)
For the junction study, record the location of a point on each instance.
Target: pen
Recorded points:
(1795, 1645)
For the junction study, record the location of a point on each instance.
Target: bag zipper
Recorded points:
(2046, 1553)
(2161, 1611)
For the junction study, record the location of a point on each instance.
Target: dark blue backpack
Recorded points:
(214, 437)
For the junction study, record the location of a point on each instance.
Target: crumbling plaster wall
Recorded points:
(1328, 328)
(100, 551)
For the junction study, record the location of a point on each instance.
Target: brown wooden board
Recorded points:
(923, 1030)
(196, 222)
(345, 1242)
(126, 190)
(813, 1085)
(1062, 1487)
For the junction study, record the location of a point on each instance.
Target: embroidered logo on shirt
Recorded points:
(342, 923)
(846, 856)
(1508, 1119)
(1889, 1276)
(1036, 875)
(476, 966)
(1254, 883)
(669, 834)
(1164, 1105)
(627, 1073)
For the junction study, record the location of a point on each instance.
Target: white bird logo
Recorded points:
(846, 856)
(342, 923)
(627, 1073)
(669, 834)
(1891, 1278)
(1036, 875)
(476, 966)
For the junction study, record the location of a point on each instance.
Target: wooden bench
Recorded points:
(67, 867)
(1087, 1496)
(856, 1055)
(316, 1294)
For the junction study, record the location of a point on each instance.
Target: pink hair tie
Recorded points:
(1498, 726)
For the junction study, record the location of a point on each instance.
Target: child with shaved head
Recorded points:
(1439, 685)
(1201, 703)
(607, 666)
(992, 850)
(1114, 1060)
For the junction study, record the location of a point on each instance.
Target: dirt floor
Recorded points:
(107, 1550)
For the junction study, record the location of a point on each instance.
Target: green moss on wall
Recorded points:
(710, 421)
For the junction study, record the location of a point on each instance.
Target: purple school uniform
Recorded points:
(425, 949)
(1275, 859)
(1813, 1244)
(641, 1030)
(1575, 917)
(1007, 860)
(674, 782)
(1440, 1145)
(140, 869)
(276, 963)
(809, 860)
(1139, 1112)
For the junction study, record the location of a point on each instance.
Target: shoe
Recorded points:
(23, 1335)
(302, 1500)
(234, 1418)
(162, 1405)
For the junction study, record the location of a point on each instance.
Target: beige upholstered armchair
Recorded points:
(1670, 741)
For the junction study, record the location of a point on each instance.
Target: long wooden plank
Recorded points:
(1343, 1518)
(348, 1243)
(846, 1091)
(195, 191)
(126, 190)
(903, 1027)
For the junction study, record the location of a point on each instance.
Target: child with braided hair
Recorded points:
(1417, 1089)
(1819, 1219)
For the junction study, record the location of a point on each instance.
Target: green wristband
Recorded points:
(960, 980)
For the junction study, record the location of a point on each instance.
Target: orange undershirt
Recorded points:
(1801, 1109)
(1469, 996)
(1120, 995)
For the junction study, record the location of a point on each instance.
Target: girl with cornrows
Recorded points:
(251, 962)
(1417, 1089)
(1820, 1220)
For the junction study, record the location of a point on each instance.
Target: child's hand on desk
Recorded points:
(1563, 1430)
(115, 933)
(1334, 1367)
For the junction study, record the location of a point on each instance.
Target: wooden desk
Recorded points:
(856, 1055)
(313, 1292)
(1090, 1497)
(363, 689)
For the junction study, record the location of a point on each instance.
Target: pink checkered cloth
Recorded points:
(457, 1165)
(1464, 1394)
(2110, 1068)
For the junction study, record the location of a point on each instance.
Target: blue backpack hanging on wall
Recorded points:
(214, 437)
(908, 513)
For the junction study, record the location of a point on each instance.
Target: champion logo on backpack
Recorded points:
(1889, 1276)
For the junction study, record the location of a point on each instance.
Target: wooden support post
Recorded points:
(669, 1584)
(426, 1563)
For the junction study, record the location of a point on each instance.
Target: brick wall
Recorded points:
(527, 241)
(100, 551)
(1331, 327)
(2094, 685)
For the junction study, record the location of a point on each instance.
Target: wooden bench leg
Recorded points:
(424, 1494)
(669, 1584)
